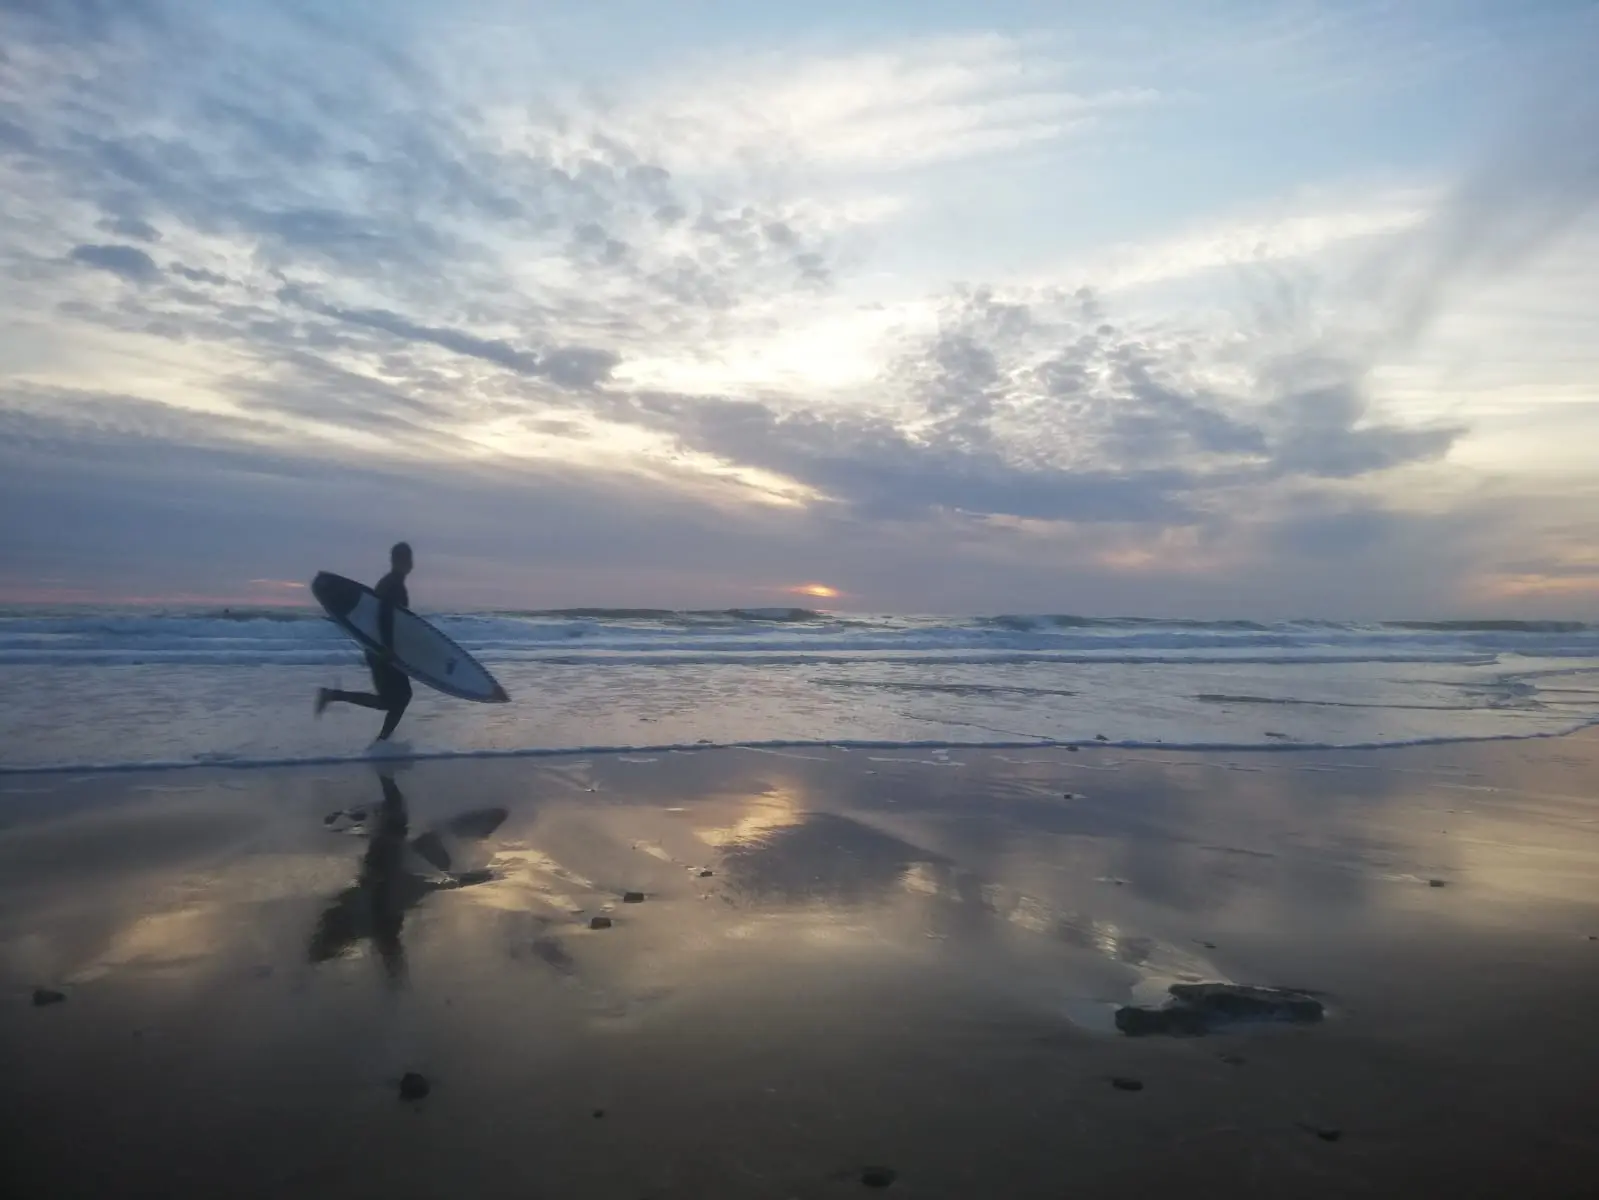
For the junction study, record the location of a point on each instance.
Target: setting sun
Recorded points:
(819, 590)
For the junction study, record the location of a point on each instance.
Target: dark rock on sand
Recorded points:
(878, 1177)
(1240, 1000)
(599, 1114)
(1198, 1008)
(414, 1086)
(1124, 1083)
(1099, 737)
(1233, 1060)
(599, 922)
(632, 897)
(1325, 1133)
(1437, 883)
(1174, 1020)
(43, 996)
(1071, 749)
(706, 874)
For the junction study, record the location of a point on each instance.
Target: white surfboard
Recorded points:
(420, 650)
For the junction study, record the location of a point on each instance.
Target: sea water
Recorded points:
(91, 689)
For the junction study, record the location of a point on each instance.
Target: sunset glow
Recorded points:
(820, 590)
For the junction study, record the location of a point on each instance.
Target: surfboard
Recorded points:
(420, 650)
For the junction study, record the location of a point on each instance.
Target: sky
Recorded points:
(1241, 309)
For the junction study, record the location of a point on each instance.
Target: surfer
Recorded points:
(391, 689)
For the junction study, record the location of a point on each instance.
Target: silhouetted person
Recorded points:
(391, 689)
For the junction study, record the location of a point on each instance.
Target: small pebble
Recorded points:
(1208, 945)
(599, 922)
(1435, 883)
(1071, 749)
(43, 996)
(1328, 1135)
(632, 897)
(1233, 1060)
(599, 1114)
(414, 1086)
(1099, 737)
(1123, 1083)
(878, 1177)
(706, 874)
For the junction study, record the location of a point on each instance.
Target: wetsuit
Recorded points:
(391, 687)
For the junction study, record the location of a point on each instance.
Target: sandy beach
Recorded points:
(836, 973)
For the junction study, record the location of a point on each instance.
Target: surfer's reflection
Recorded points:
(396, 875)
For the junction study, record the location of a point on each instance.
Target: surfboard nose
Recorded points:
(335, 593)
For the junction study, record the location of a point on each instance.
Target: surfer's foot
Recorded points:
(322, 699)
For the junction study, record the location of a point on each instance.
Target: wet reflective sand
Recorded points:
(838, 961)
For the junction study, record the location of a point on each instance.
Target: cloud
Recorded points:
(878, 470)
(199, 275)
(384, 278)
(131, 227)
(1536, 181)
(129, 262)
(567, 366)
(884, 109)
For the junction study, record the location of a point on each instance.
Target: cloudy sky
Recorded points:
(1253, 309)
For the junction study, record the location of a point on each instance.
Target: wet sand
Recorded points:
(902, 970)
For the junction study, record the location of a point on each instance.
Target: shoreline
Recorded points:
(776, 744)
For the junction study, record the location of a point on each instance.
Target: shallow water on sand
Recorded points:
(811, 963)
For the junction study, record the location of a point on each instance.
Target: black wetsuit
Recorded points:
(391, 687)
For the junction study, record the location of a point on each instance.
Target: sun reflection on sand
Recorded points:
(781, 808)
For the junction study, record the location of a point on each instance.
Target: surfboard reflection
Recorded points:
(397, 873)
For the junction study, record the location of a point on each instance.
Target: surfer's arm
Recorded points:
(386, 617)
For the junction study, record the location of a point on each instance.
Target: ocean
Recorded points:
(87, 690)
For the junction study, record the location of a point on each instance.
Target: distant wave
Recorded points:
(668, 615)
(1025, 621)
(648, 636)
(1490, 626)
(947, 689)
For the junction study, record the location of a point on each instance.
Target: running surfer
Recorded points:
(391, 689)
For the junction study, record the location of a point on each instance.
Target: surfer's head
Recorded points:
(400, 557)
